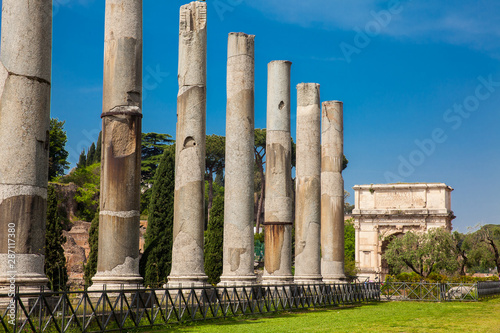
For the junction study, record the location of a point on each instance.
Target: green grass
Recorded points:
(481, 316)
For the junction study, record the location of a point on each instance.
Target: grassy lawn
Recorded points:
(481, 316)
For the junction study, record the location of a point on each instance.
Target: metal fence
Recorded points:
(437, 292)
(488, 288)
(116, 310)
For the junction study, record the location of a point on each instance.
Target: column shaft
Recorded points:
(118, 259)
(25, 74)
(308, 185)
(189, 212)
(278, 206)
(238, 260)
(332, 192)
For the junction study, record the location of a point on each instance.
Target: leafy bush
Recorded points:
(87, 194)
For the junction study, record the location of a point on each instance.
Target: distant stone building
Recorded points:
(385, 210)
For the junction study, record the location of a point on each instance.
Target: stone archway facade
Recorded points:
(383, 210)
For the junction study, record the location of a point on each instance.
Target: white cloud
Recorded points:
(475, 24)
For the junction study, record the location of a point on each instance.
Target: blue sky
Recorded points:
(420, 81)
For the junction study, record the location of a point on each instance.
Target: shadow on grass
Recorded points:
(248, 319)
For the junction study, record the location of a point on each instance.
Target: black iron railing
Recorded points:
(488, 288)
(424, 291)
(116, 310)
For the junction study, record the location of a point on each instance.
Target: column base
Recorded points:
(277, 280)
(188, 281)
(332, 271)
(237, 281)
(26, 273)
(307, 279)
(102, 282)
(334, 278)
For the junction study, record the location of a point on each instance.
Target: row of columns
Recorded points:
(319, 185)
(25, 108)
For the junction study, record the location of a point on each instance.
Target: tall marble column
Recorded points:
(332, 192)
(238, 256)
(308, 185)
(278, 215)
(25, 69)
(189, 212)
(118, 258)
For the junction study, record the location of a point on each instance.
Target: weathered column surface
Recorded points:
(118, 259)
(308, 185)
(25, 68)
(189, 212)
(278, 215)
(332, 192)
(238, 257)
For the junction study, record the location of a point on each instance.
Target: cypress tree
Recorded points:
(98, 149)
(55, 262)
(156, 261)
(91, 266)
(82, 161)
(214, 241)
(91, 154)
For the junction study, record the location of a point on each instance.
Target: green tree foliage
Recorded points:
(156, 261)
(91, 266)
(345, 161)
(214, 241)
(259, 247)
(153, 145)
(87, 197)
(347, 206)
(57, 151)
(145, 200)
(91, 154)
(485, 249)
(82, 160)
(217, 190)
(214, 162)
(462, 247)
(423, 253)
(349, 248)
(98, 149)
(219, 178)
(55, 262)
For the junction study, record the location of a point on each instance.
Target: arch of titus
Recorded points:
(25, 72)
(385, 210)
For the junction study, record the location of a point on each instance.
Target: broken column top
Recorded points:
(332, 102)
(333, 113)
(193, 45)
(193, 17)
(309, 94)
(240, 43)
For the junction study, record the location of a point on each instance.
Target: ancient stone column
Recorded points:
(118, 259)
(25, 69)
(238, 257)
(189, 212)
(278, 215)
(332, 192)
(308, 185)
